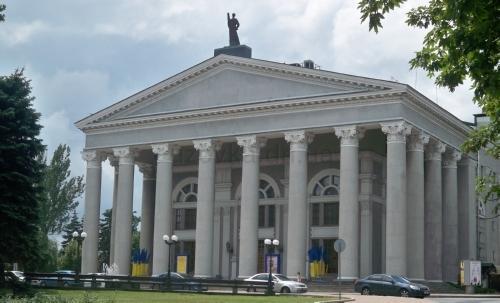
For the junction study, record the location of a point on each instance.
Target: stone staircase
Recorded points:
(331, 285)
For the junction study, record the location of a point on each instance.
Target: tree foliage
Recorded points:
(74, 224)
(2, 15)
(462, 43)
(70, 257)
(20, 172)
(61, 192)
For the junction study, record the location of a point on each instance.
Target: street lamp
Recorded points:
(270, 244)
(169, 241)
(79, 237)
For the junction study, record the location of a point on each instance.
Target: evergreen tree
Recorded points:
(70, 257)
(20, 172)
(61, 192)
(75, 224)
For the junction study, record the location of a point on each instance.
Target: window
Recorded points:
(325, 214)
(185, 218)
(267, 215)
(266, 190)
(327, 186)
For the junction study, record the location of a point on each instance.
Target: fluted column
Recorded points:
(147, 207)
(450, 215)
(349, 200)
(205, 208)
(415, 242)
(467, 209)
(163, 205)
(296, 243)
(396, 197)
(433, 208)
(249, 205)
(366, 214)
(113, 161)
(123, 232)
(92, 210)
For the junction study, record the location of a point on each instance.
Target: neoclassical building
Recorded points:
(235, 150)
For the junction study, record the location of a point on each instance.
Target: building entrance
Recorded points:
(329, 255)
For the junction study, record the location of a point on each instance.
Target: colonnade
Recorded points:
(421, 216)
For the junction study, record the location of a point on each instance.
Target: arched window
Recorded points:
(325, 208)
(185, 195)
(327, 186)
(266, 190)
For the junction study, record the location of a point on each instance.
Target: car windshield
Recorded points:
(401, 279)
(283, 278)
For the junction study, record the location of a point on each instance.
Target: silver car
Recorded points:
(281, 283)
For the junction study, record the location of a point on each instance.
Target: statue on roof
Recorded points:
(233, 25)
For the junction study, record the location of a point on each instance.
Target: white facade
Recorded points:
(235, 150)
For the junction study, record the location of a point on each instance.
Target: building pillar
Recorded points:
(163, 205)
(366, 214)
(415, 242)
(433, 208)
(123, 232)
(349, 200)
(92, 210)
(396, 197)
(147, 208)
(467, 209)
(205, 208)
(249, 205)
(450, 216)
(113, 161)
(297, 203)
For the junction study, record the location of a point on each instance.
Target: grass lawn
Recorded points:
(145, 296)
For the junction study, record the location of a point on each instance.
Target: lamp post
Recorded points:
(169, 241)
(270, 249)
(79, 237)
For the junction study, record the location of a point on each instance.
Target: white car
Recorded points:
(281, 283)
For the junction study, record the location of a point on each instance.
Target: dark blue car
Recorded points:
(390, 285)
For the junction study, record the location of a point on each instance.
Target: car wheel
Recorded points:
(366, 291)
(43, 284)
(285, 290)
(403, 292)
(66, 284)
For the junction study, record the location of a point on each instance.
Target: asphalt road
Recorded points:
(465, 300)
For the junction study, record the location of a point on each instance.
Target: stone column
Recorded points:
(467, 209)
(205, 208)
(249, 205)
(147, 207)
(163, 205)
(433, 208)
(450, 216)
(366, 214)
(349, 200)
(123, 232)
(297, 203)
(396, 197)
(415, 240)
(113, 161)
(92, 210)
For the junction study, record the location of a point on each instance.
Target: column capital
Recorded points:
(298, 140)
(451, 156)
(396, 131)
(349, 135)
(165, 151)
(434, 149)
(206, 147)
(113, 161)
(251, 144)
(93, 158)
(417, 140)
(125, 154)
(148, 171)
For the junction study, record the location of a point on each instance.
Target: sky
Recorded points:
(84, 55)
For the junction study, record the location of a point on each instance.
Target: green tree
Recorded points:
(70, 256)
(2, 16)
(462, 43)
(47, 250)
(20, 172)
(61, 192)
(75, 224)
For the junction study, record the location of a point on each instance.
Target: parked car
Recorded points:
(65, 279)
(180, 282)
(281, 283)
(390, 285)
(14, 276)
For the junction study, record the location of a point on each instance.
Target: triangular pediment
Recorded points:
(226, 81)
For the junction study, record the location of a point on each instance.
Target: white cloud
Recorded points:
(14, 34)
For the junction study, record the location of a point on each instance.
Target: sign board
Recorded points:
(182, 264)
(472, 272)
(339, 245)
(274, 260)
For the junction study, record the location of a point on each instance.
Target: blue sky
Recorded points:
(83, 55)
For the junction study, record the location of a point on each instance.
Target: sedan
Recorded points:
(281, 283)
(390, 285)
(181, 282)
